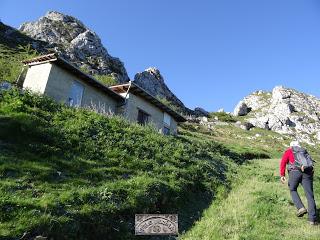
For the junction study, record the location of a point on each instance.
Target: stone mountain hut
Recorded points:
(57, 78)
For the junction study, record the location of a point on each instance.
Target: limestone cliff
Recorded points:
(284, 110)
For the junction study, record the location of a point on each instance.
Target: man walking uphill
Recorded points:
(300, 170)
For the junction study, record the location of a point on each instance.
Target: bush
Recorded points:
(10, 61)
(222, 116)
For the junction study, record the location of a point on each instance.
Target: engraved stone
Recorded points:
(156, 224)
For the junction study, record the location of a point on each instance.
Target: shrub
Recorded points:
(222, 116)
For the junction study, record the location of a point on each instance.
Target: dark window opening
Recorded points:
(143, 117)
(166, 130)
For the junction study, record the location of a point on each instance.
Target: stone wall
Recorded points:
(59, 85)
(37, 78)
(134, 103)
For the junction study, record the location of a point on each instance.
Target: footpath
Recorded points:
(257, 207)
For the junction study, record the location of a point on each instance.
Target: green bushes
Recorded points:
(65, 170)
(10, 61)
(222, 116)
(107, 80)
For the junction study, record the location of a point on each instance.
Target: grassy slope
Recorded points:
(64, 171)
(259, 141)
(74, 174)
(258, 207)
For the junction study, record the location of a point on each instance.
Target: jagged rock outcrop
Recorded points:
(152, 81)
(76, 43)
(241, 109)
(200, 112)
(285, 111)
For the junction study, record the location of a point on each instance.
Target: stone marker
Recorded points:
(156, 224)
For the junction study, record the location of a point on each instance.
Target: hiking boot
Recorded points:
(301, 212)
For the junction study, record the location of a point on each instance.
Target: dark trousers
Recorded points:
(306, 179)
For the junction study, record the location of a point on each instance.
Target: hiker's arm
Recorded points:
(283, 163)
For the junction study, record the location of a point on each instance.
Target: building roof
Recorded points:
(135, 89)
(54, 58)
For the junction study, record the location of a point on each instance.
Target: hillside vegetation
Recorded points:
(72, 173)
(14, 47)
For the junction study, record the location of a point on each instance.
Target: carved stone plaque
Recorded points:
(156, 224)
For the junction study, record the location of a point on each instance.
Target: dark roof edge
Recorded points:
(53, 57)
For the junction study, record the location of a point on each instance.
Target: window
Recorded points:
(166, 119)
(143, 117)
(166, 124)
(166, 130)
(75, 95)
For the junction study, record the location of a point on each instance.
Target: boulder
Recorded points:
(247, 126)
(241, 109)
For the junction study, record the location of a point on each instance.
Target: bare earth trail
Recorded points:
(258, 207)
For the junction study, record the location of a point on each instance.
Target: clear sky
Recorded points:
(211, 53)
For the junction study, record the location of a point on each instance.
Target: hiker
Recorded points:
(300, 170)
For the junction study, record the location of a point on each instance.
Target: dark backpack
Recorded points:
(301, 158)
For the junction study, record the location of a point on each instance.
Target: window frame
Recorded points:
(166, 130)
(145, 114)
(71, 101)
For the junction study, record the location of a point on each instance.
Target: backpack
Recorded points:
(301, 158)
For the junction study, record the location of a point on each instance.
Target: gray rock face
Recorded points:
(152, 81)
(76, 43)
(241, 109)
(198, 111)
(285, 111)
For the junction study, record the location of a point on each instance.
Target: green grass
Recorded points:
(223, 116)
(258, 207)
(74, 174)
(250, 144)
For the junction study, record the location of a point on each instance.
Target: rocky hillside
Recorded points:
(76, 43)
(284, 110)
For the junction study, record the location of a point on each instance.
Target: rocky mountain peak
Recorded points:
(56, 16)
(155, 73)
(76, 43)
(152, 81)
(284, 110)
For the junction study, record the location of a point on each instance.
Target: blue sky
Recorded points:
(211, 53)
